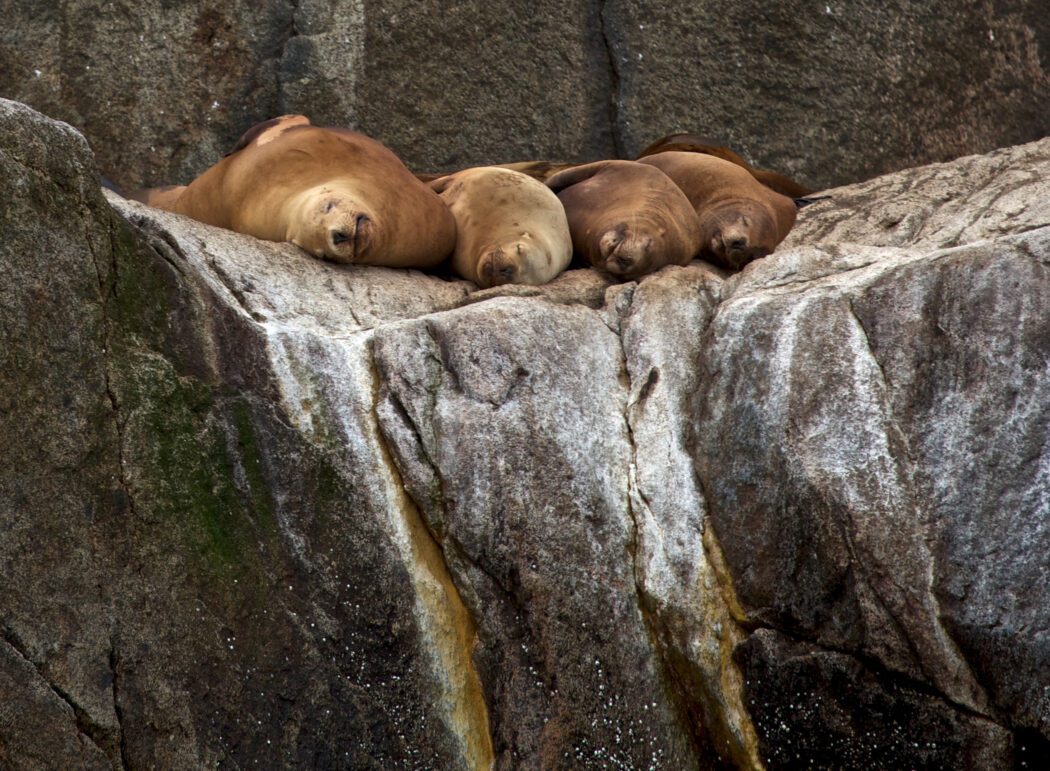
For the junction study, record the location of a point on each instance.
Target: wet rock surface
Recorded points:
(261, 508)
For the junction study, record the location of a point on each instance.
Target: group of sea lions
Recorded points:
(345, 197)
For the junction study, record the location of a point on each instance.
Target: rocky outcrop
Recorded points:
(828, 92)
(261, 508)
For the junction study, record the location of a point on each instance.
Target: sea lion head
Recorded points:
(333, 224)
(737, 232)
(626, 252)
(512, 263)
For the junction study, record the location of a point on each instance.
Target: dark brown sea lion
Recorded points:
(691, 143)
(510, 228)
(627, 218)
(335, 193)
(740, 218)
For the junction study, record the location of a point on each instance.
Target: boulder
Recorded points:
(260, 508)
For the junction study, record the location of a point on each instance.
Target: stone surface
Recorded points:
(827, 92)
(832, 92)
(258, 508)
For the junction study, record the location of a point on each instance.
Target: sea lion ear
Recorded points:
(441, 183)
(569, 177)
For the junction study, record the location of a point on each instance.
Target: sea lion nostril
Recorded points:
(738, 243)
(339, 237)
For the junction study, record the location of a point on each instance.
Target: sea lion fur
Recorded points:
(510, 228)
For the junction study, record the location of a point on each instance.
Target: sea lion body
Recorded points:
(541, 170)
(336, 193)
(691, 143)
(510, 228)
(627, 218)
(740, 218)
(157, 197)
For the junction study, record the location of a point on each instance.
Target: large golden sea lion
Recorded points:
(627, 218)
(335, 193)
(510, 228)
(740, 218)
(691, 143)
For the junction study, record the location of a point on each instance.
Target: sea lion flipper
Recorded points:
(441, 183)
(157, 197)
(271, 128)
(802, 202)
(570, 177)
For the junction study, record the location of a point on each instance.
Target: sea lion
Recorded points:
(510, 228)
(541, 170)
(337, 194)
(740, 218)
(627, 218)
(691, 143)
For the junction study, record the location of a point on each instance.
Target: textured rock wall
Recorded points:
(829, 92)
(260, 508)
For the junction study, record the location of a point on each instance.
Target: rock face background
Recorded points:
(824, 90)
(257, 508)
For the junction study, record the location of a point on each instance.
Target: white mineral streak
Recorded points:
(339, 385)
(846, 454)
(675, 573)
(319, 352)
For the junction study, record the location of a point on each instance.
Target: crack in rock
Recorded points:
(85, 726)
(615, 129)
(449, 616)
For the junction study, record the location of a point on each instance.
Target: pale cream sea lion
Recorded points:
(740, 218)
(510, 228)
(336, 193)
(541, 170)
(627, 218)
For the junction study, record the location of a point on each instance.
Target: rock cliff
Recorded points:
(262, 509)
(823, 90)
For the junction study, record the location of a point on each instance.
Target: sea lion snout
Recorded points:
(736, 250)
(624, 252)
(357, 230)
(741, 238)
(350, 234)
(497, 267)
